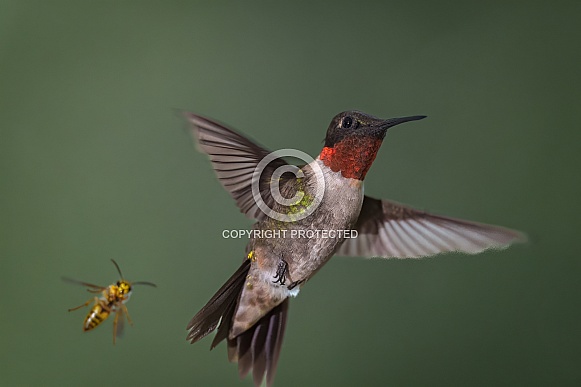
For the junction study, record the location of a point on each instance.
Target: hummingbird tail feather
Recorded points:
(219, 310)
(258, 348)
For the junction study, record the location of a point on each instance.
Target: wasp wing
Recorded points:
(93, 287)
(119, 322)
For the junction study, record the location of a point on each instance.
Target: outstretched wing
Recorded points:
(92, 287)
(234, 159)
(392, 230)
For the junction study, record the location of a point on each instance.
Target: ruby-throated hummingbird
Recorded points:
(302, 216)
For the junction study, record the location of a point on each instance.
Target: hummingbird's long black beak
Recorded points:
(400, 120)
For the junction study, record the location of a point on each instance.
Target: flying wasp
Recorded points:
(112, 300)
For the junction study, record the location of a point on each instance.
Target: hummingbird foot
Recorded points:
(294, 284)
(281, 272)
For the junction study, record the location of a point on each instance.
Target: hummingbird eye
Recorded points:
(347, 122)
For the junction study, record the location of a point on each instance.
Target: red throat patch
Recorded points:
(352, 156)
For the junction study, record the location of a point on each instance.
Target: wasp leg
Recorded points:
(127, 314)
(115, 321)
(281, 272)
(80, 306)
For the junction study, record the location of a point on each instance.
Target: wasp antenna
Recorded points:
(145, 283)
(118, 269)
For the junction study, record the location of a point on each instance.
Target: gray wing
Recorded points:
(391, 230)
(234, 159)
(92, 287)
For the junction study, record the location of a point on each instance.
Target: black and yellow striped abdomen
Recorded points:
(111, 301)
(99, 313)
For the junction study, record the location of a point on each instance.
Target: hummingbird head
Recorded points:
(353, 139)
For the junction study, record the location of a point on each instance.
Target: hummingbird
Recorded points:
(250, 310)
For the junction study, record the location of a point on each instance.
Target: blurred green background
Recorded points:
(96, 165)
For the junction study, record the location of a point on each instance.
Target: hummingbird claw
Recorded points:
(281, 271)
(294, 284)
